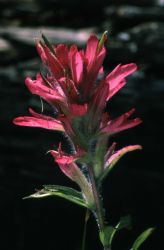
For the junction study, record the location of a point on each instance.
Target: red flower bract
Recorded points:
(38, 120)
(78, 96)
(78, 99)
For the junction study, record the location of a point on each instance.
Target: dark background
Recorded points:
(136, 34)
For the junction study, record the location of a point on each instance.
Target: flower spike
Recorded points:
(74, 89)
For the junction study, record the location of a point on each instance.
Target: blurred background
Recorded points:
(136, 34)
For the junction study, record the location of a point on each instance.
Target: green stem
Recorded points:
(85, 229)
(99, 212)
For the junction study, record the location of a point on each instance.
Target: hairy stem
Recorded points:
(99, 210)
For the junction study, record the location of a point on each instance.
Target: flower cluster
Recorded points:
(78, 97)
(77, 90)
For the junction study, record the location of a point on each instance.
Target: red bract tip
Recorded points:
(72, 88)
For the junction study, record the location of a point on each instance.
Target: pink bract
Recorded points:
(73, 92)
(40, 121)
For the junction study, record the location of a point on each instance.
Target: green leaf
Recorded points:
(102, 41)
(61, 191)
(142, 237)
(48, 44)
(107, 235)
(125, 222)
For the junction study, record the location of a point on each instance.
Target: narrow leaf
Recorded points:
(48, 44)
(125, 222)
(102, 41)
(64, 192)
(142, 237)
(107, 235)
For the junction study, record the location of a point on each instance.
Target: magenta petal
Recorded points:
(94, 67)
(62, 55)
(91, 48)
(37, 87)
(116, 78)
(112, 160)
(41, 52)
(40, 121)
(92, 72)
(121, 123)
(101, 71)
(113, 91)
(98, 103)
(69, 89)
(73, 50)
(110, 151)
(78, 110)
(99, 98)
(66, 164)
(53, 63)
(76, 67)
(68, 168)
(67, 124)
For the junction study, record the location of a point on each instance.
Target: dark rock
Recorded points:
(27, 36)
(5, 46)
(136, 13)
(149, 39)
(22, 41)
(140, 13)
(142, 44)
(126, 17)
(7, 51)
(159, 2)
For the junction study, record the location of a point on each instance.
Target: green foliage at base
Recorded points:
(61, 191)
